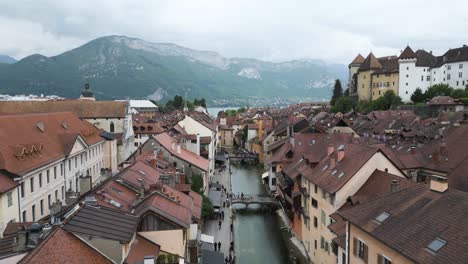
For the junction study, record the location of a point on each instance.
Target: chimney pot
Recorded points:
(330, 150)
(395, 186)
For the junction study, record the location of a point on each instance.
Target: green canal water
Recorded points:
(257, 237)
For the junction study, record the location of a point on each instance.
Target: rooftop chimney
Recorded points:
(332, 163)
(395, 186)
(142, 189)
(178, 149)
(341, 153)
(438, 184)
(330, 150)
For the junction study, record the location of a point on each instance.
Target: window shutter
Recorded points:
(355, 246)
(365, 253)
(379, 259)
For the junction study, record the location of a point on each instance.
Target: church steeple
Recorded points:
(87, 94)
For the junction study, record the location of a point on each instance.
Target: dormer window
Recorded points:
(436, 245)
(382, 217)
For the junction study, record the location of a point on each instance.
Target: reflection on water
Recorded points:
(257, 236)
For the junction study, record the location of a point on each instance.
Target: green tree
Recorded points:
(364, 106)
(197, 183)
(337, 92)
(346, 92)
(344, 104)
(207, 208)
(241, 110)
(459, 93)
(161, 259)
(178, 102)
(203, 102)
(387, 101)
(438, 90)
(418, 96)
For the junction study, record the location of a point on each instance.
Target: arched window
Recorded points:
(112, 127)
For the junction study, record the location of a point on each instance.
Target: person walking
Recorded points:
(220, 224)
(219, 246)
(232, 227)
(216, 246)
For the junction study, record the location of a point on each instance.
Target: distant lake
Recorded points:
(213, 111)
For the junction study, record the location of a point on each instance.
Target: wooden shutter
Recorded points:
(355, 246)
(365, 253)
(379, 259)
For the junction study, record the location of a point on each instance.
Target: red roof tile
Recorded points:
(142, 247)
(26, 147)
(6, 183)
(63, 247)
(167, 208)
(166, 141)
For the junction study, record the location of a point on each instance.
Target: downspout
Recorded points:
(347, 242)
(19, 206)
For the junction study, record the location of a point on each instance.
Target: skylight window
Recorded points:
(325, 167)
(116, 190)
(142, 172)
(341, 175)
(382, 217)
(437, 244)
(334, 172)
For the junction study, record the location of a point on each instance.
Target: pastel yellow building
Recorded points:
(375, 76)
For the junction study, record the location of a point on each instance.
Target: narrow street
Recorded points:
(211, 227)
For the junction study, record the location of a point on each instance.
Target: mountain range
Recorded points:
(121, 67)
(6, 59)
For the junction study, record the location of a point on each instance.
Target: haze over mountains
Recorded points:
(119, 67)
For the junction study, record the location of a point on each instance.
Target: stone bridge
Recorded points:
(255, 199)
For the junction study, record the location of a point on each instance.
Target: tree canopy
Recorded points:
(337, 92)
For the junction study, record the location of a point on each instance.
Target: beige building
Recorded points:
(9, 204)
(375, 76)
(326, 189)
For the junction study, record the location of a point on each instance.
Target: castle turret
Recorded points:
(87, 94)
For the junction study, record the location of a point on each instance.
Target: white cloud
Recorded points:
(268, 29)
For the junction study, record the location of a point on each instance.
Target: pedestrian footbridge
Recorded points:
(254, 199)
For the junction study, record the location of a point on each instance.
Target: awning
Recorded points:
(265, 175)
(207, 238)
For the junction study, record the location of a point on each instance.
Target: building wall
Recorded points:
(364, 85)
(411, 78)
(8, 212)
(453, 71)
(192, 126)
(353, 69)
(311, 234)
(63, 176)
(384, 82)
(110, 155)
(374, 247)
(226, 138)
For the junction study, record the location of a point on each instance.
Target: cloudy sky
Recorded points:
(334, 31)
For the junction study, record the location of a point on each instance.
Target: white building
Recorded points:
(47, 155)
(202, 125)
(421, 69)
(143, 107)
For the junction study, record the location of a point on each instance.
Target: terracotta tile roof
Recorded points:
(358, 60)
(407, 53)
(6, 182)
(458, 178)
(205, 120)
(444, 100)
(142, 247)
(166, 207)
(13, 227)
(111, 192)
(185, 200)
(140, 170)
(63, 247)
(370, 63)
(166, 141)
(102, 222)
(330, 178)
(83, 108)
(418, 216)
(26, 147)
(147, 128)
(197, 203)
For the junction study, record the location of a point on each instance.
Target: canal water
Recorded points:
(257, 237)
